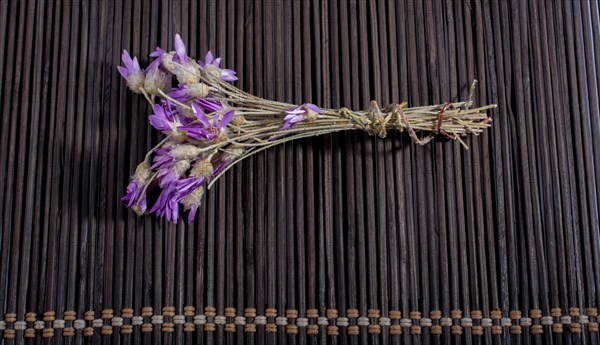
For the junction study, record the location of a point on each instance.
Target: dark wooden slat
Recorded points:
(9, 141)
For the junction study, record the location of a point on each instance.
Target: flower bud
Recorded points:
(156, 80)
(222, 136)
(187, 74)
(203, 168)
(232, 152)
(179, 135)
(135, 81)
(185, 152)
(199, 90)
(181, 167)
(238, 120)
(167, 61)
(187, 112)
(212, 71)
(311, 115)
(193, 199)
(139, 209)
(142, 172)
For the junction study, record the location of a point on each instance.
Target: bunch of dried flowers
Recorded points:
(209, 125)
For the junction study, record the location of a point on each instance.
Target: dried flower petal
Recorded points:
(132, 72)
(211, 65)
(299, 114)
(136, 197)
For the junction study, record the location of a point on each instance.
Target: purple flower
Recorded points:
(166, 156)
(165, 119)
(210, 106)
(210, 60)
(158, 54)
(204, 129)
(193, 185)
(180, 50)
(179, 93)
(185, 69)
(220, 167)
(187, 185)
(299, 114)
(131, 66)
(226, 158)
(170, 166)
(132, 72)
(172, 162)
(183, 93)
(172, 172)
(212, 66)
(157, 79)
(162, 157)
(168, 200)
(192, 201)
(168, 203)
(176, 189)
(135, 197)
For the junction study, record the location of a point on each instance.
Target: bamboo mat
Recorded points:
(343, 239)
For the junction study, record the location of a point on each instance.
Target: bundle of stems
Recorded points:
(210, 125)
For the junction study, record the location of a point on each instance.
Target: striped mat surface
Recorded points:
(345, 238)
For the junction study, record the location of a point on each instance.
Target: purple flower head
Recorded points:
(168, 201)
(132, 72)
(180, 189)
(212, 66)
(299, 114)
(162, 157)
(192, 201)
(165, 118)
(172, 192)
(169, 173)
(185, 69)
(135, 197)
(158, 54)
(131, 65)
(184, 93)
(157, 79)
(210, 60)
(179, 93)
(204, 129)
(210, 106)
(180, 50)
(220, 166)
(187, 185)
(193, 185)
(173, 161)
(133, 193)
(226, 158)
